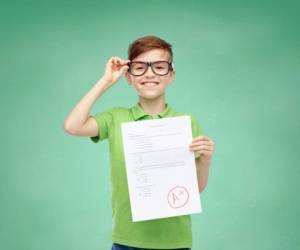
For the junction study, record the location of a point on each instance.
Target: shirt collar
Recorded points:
(138, 112)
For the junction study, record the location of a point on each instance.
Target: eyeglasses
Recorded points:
(159, 68)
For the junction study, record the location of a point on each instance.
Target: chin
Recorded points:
(150, 97)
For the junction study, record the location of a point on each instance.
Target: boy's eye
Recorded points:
(138, 66)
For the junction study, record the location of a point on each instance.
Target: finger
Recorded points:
(199, 143)
(203, 147)
(205, 153)
(195, 143)
(124, 68)
(202, 138)
(120, 61)
(118, 58)
(202, 143)
(110, 61)
(113, 62)
(123, 63)
(118, 65)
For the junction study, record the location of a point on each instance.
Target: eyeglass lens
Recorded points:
(158, 68)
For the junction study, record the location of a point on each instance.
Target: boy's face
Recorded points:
(150, 85)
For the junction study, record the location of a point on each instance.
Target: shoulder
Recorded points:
(117, 114)
(193, 117)
(195, 125)
(116, 111)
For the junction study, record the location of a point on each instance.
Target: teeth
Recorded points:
(150, 84)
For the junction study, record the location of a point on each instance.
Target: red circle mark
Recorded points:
(178, 197)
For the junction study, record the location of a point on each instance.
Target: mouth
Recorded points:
(149, 83)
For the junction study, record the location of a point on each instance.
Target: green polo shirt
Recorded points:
(166, 233)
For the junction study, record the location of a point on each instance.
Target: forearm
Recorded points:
(81, 111)
(202, 167)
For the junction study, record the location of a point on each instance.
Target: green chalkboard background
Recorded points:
(238, 71)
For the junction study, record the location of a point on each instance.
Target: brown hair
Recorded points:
(147, 43)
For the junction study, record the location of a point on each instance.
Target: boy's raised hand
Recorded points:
(204, 146)
(114, 69)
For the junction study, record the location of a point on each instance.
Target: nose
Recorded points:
(149, 72)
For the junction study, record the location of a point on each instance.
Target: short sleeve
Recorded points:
(196, 130)
(104, 122)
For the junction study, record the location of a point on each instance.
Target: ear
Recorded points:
(128, 77)
(171, 76)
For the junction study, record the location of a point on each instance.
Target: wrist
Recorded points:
(104, 81)
(205, 160)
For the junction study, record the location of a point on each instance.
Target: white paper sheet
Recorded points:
(161, 171)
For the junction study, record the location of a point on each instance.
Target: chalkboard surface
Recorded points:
(237, 71)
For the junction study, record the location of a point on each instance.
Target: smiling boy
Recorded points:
(150, 71)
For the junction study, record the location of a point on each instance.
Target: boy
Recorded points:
(149, 70)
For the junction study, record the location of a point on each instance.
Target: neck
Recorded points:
(153, 107)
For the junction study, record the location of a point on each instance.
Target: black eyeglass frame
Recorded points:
(170, 67)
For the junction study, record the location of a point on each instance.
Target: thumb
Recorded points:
(124, 69)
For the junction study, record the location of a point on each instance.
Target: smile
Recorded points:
(149, 84)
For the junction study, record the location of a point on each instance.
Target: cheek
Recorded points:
(136, 80)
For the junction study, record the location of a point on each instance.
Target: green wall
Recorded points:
(238, 71)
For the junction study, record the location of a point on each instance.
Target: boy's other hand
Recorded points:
(114, 69)
(204, 146)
